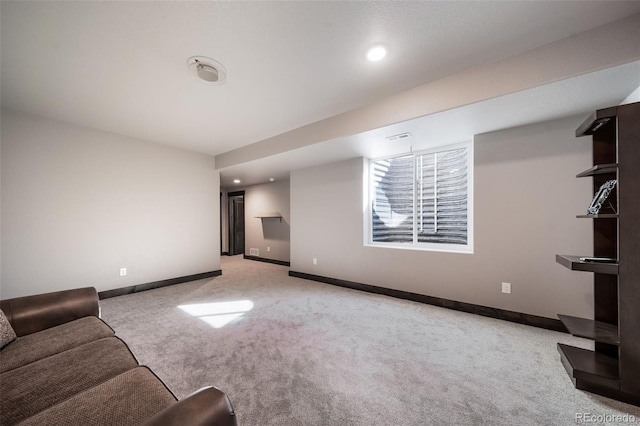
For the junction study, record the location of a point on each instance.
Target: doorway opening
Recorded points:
(236, 222)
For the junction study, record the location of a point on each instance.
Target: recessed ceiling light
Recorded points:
(236, 181)
(271, 179)
(376, 53)
(207, 70)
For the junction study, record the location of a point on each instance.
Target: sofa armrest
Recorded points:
(208, 406)
(30, 314)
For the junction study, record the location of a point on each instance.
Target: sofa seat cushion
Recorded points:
(36, 346)
(34, 387)
(127, 399)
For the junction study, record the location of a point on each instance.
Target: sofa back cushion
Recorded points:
(36, 346)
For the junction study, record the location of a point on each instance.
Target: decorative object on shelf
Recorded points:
(598, 259)
(601, 196)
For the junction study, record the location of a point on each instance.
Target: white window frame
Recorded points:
(368, 195)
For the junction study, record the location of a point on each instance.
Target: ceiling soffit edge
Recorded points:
(553, 62)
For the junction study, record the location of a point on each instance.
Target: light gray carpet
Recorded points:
(309, 353)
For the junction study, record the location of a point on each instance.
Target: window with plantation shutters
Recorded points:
(421, 200)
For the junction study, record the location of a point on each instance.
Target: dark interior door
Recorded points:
(236, 223)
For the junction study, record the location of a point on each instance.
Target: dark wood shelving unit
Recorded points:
(612, 369)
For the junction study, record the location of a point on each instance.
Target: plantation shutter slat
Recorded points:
(392, 204)
(443, 197)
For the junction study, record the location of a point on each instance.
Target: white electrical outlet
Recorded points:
(123, 272)
(315, 261)
(268, 248)
(254, 252)
(506, 288)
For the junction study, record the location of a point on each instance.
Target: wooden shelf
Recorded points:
(595, 121)
(599, 169)
(589, 329)
(598, 216)
(591, 367)
(274, 215)
(270, 214)
(575, 264)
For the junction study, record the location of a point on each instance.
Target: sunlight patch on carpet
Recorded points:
(218, 314)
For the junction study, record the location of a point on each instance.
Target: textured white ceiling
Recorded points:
(120, 66)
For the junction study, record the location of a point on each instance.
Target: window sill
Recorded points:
(441, 248)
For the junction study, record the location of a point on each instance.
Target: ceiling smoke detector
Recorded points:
(207, 70)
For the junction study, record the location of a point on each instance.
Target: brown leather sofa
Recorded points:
(67, 367)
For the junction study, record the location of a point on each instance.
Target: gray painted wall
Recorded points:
(526, 199)
(270, 236)
(633, 97)
(78, 204)
(268, 233)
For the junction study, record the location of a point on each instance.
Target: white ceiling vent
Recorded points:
(399, 136)
(207, 70)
